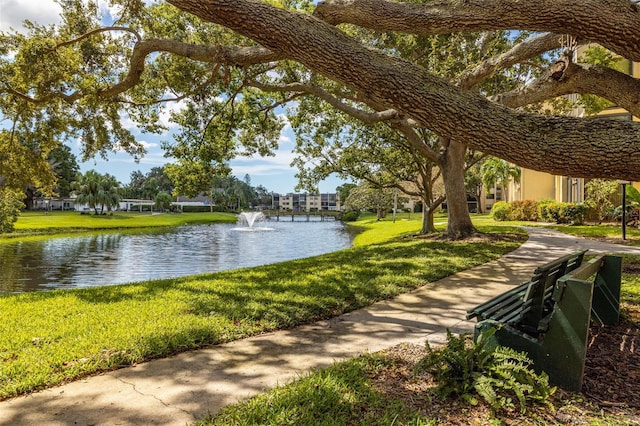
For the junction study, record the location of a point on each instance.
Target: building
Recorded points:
(538, 186)
(303, 202)
(50, 203)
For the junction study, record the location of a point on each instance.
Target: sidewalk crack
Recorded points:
(135, 389)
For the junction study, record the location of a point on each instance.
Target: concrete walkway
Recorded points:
(180, 389)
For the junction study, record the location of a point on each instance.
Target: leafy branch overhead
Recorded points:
(91, 76)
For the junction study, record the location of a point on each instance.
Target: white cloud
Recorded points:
(148, 145)
(165, 116)
(14, 12)
(109, 12)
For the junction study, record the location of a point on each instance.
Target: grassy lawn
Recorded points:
(342, 394)
(39, 225)
(609, 232)
(50, 337)
(350, 392)
(367, 391)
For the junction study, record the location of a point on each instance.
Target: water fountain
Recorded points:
(248, 220)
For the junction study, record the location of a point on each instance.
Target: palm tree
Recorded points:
(97, 190)
(109, 193)
(495, 171)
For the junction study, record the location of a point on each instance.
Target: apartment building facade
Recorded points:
(303, 202)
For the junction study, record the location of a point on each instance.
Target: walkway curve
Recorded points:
(182, 388)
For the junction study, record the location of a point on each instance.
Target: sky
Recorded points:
(274, 173)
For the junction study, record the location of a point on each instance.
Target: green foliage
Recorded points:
(65, 167)
(370, 198)
(598, 196)
(344, 190)
(572, 213)
(495, 171)
(555, 212)
(341, 394)
(25, 162)
(525, 210)
(500, 211)
(97, 191)
(597, 55)
(469, 369)
(163, 201)
(633, 195)
(350, 216)
(147, 186)
(10, 205)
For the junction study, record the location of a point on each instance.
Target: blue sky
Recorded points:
(274, 173)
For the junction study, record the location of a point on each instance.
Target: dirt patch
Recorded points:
(477, 237)
(611, 385)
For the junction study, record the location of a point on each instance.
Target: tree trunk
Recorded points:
(29, 198)
(452, 166)
(429, 207)
(428, 226)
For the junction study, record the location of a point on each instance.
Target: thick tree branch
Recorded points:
(218, 54)
(364, 116)
(567, 78)
(518, 54)
(228, 55)
(618, 32)
(464, 117)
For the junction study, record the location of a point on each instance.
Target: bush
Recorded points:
(500, 211)
(466, 369)
(599, 193)
(571, 213)
(10, 205)
(350, 216)
(548, 211)
(526, 210)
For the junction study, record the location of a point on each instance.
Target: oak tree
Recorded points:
(220, 57)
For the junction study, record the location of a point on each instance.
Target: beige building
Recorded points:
(307, 202)
(538, 186)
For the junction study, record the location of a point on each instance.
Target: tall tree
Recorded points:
(147, 186)
(495, 171)
(368, 197)
(97, 191)
(65, 166)
(10, 205)
(344, 190)
(92, 75)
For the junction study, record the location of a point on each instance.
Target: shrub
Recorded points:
(500, 211)
(599, 193)
(549, 211)
(526, 210)
(10, 205)
(350, 216)
(466, 369)
(572, 213)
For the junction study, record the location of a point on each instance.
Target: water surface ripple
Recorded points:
(115, 258)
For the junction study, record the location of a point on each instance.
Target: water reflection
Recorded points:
(114, 258)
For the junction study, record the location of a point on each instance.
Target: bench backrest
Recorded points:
(537, 300)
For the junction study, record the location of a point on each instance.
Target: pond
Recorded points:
(116, 258)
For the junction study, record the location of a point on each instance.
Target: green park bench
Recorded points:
(548, 317)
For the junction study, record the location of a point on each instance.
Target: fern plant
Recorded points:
(498, 375)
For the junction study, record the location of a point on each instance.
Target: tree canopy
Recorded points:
(233, 63)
